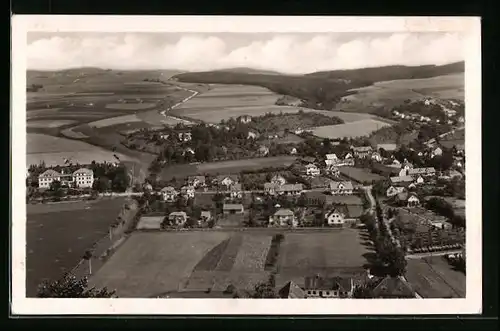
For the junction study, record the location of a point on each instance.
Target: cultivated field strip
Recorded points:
(210, 261)
(229, 257)
(252, 254)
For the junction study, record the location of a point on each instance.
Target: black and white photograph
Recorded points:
(181, 159)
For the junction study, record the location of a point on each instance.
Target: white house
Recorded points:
(236, 191)
(341, 188)
(429, 171)
(271, 188)
(251, 135)
(283, 217)
(177, 218)
(227, 180)
(184, 136)
(348, 156)
(333, 170)
(394, 190)
(245, 119)
(196, 181)
(334, 217)
(419, 180)
(187, 191)
(312, 170)
(293, 151)
(331, 159)
(437, 152)
(47, 177)
(83, 177)
(168, 193)
(376, 156)
(290, 189)
(263, 150)
(362, 152)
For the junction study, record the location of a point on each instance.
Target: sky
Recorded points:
(285, 53)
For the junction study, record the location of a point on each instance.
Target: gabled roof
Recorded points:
(291, 187)
(336, 185)
(177, 213)
(232, 206)
(283, 212)
(168, 189)
(187, 187)
(199, 178)
(291, 291)
(417, 171)
(400, 179)
(334, 210)
(394, 287)
(236, 187)
(84, 171)
(234, 178)
(387, 147)
(331, 283)
(50, 173)
(332, 156)
(311, 165)
(271, 185)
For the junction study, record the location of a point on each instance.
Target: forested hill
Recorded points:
(392, 72)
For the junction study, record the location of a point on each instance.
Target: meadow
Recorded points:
(395, 92)
(53, 151)
(58, 234)
(349, 130)
(433, 277)
(149, 264)
(360, 175)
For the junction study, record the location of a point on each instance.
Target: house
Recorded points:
(232, 208)
(164, 136)
(401, 179)
(437, 152)
(394, 190)
(461, 119)
(387, 147)
(408, 199)
(362, 152)
(251, 135)
(441, 223)
(187, 191)
(334, 217)
(334, 287)
(333, 170)
(283, 217)
(290, 189)
(227, 180)
(263, 150)
(293, 151)
(393, 287)
(196, 181)
(187, 150)
(147, 187)
(347, 156)
(341, 188)
(235, 191)
(291, 291)
(184, 136)
(245, 119)
(278, 179)
(205, 216)
(406, 165)
(377, 157)
(419, 180)
(177, 218)
(312, 170)
(271, 188)
(331, 159)
(168, 193)
(150, 222)
(422, 171)
(83, 177)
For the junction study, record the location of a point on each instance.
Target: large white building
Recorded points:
(81, 178)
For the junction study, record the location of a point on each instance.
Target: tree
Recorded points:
(265, 290)
(102, 184)
(71, 287)
(88, 257)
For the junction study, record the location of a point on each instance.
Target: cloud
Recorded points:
(294, 54)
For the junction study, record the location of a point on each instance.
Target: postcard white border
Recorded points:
(470, 26)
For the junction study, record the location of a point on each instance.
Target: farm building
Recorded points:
(177, 218)
(387, 147)
(331, 159)
(335, 217)
(308, 159)
(341, 188)
(362, 152)
(81, 178)
(150, 222)
(394, 190)
(333, 170)
(230, 208)
(290, 189)
(227, 180)
(271, 188)
(393, 287)
(283, 217)
(168, 193)
(334, 287)
(251, 135)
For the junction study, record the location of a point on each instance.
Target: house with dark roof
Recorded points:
(177, 218)
(331, 287)
(291, 291)
(271, 188)
(407, 199)
(168, 193)
(283, 217)
(393, 288)
(232, 208)
(290, 189)
(362, 151)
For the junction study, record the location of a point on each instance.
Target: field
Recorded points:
(392, 93)
(360, 175)
(58, 234)
(197, 261)
(433, 277)
(53, 151)
(349, 130)
(49, 123)
(225, 167)
(222, 102)
(130, 106)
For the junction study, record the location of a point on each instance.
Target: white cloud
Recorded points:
(285, 53)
